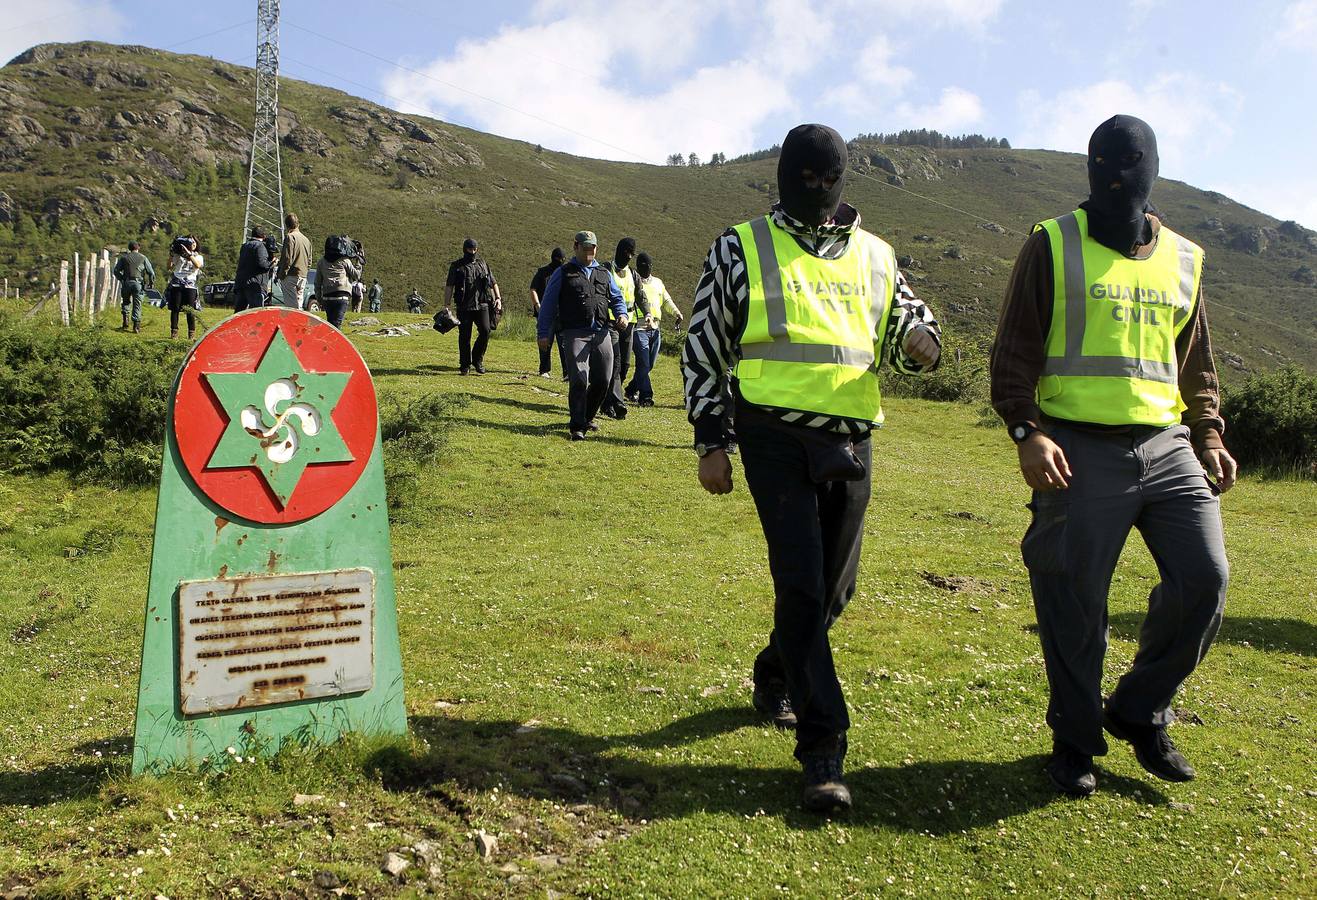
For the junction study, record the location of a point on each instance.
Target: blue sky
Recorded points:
(1230, 88)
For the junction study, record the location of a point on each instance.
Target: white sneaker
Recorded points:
(546, 374)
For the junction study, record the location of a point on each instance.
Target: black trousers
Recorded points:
(249, 296)
(813, 530)
(184, 300)
(546, 355)
(336, 308)
(466, 353)
(621, 339)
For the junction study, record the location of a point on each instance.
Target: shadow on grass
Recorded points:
(422, 369)
(1258, 632)
(559, 430)
(53, 784)
(937, 797)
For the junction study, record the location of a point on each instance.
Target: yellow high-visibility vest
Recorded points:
(654, 291)
(813, 333)
(626, 283)
(1111, 347)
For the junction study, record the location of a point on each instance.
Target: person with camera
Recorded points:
(336, 272)
(185, 264)
(294, 263)
(254, 264)
(415, 302)
(134, 273)
(473, 292)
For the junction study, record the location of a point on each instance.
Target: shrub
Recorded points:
(1271, 422)
(81, 401)
(961, 377)
(414, 433)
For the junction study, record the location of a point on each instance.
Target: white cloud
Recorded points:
(971, 15)
(530, 76)
(956, 110)
(878, 81)
(57, 20)
(1190, 116)
(1300, 28)
(1281, 198)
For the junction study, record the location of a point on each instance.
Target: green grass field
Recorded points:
(578, 623)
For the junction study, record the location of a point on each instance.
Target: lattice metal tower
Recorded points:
(265, 193)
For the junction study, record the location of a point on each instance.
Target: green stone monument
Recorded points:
(271, 613)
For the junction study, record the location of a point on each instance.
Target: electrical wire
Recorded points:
(172, 47)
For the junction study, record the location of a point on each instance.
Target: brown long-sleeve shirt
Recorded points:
(1019, 351)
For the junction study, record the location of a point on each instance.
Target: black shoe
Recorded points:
(480, 370)
(631, 397)
(463, 371)
(771, 699)
(578, 435)
(1152, 747)
(825, 791)
(646, 402)
(1071, 771)
(592, 425)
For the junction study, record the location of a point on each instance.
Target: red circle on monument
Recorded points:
(238, 345)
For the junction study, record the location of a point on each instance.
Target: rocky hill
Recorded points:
(102, 143)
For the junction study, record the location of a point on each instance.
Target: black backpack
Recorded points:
(339, 246)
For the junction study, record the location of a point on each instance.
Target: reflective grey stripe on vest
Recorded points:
(1186, 280)
(1076, 317)
(775, 302)
(822, 354)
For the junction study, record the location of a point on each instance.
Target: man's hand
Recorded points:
(921, 346)
(716, 472)
(1222, 467)
(680, 321)
(622, 323)
(1043, 463)
(545, 343)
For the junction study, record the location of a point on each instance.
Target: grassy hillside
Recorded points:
(94, 139)
(575, 679)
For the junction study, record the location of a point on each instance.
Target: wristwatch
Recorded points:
(703, 450)
(1020, 431)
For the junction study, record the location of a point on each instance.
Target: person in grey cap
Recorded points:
(581, 294)
(474, 293)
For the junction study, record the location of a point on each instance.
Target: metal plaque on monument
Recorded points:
(271, 609)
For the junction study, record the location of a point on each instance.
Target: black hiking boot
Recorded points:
(1152, 747)
(578, 435)
(825, 791)
(771, 699)
(1071, 771)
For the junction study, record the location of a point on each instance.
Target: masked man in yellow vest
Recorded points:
(1103, 372)
(654, 298)
(803, 305)
(628, 282)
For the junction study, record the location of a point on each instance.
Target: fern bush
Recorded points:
(1271, 422)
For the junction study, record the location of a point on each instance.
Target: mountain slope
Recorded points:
(100, 143)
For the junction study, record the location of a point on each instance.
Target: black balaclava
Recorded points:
(1122, 166)
(469, 249)
(626, 251)
(557, 257)
(644, 265)
(821, 150)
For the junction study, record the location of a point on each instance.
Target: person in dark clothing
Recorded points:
(335, 275)
(807, 401)
(135, 274)
(537, 285)
(1102, 371)
(415, 302)
(473, 293)
(580, 298)
(628, 282)
(254, 265)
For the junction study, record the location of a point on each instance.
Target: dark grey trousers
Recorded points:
(590, 358)
(1149, 479)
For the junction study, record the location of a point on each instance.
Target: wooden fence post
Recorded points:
(87, 290)
(76, 299)
(64, 291)
(106, 279)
